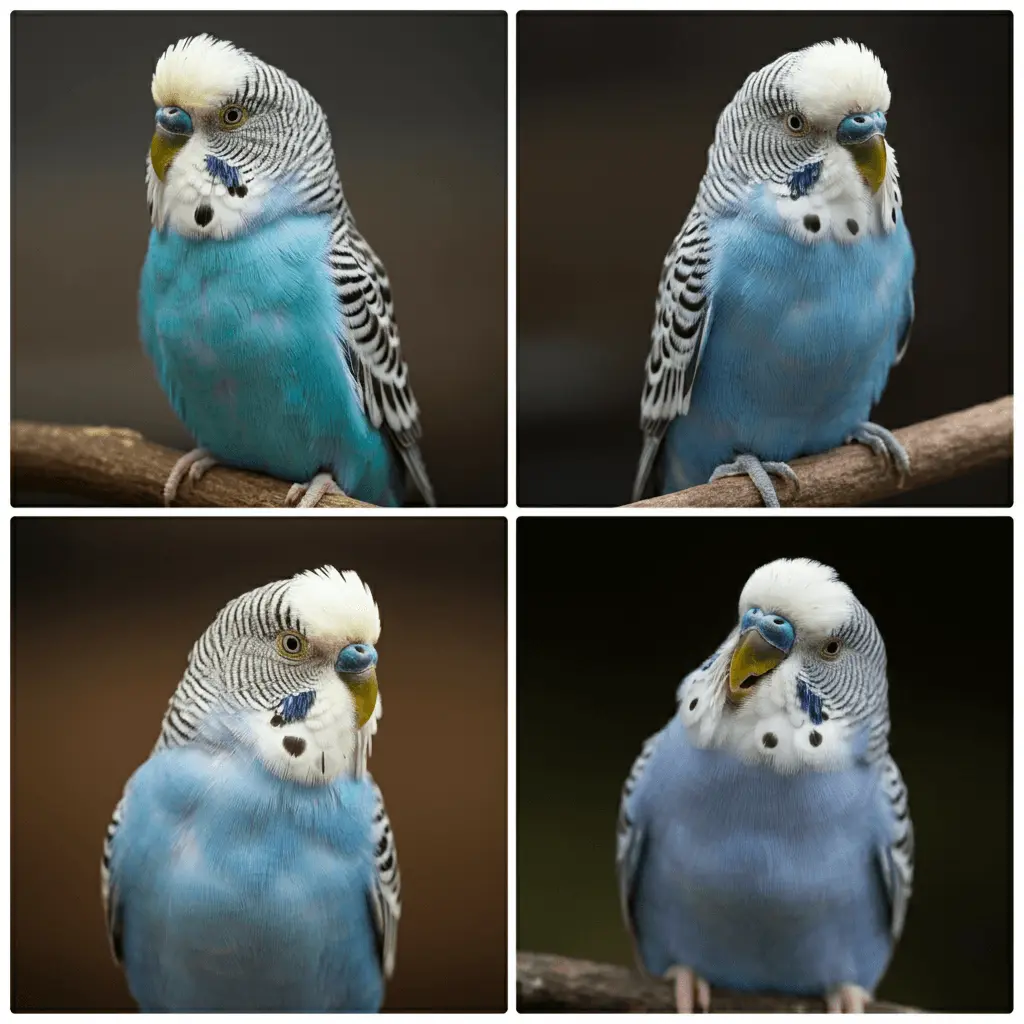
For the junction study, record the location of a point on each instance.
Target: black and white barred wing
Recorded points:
(386, 898)
(374, 349)
(629, 841)
(896, 857)
(108, 889)
(681, 321)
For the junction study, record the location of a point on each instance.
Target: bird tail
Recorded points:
(418, 471)
(652, 443)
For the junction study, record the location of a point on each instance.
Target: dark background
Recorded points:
(105, 613)
(940, 590)
(417, 108)
(615, 116)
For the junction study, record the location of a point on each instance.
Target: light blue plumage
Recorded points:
(764, 837)
(267, 316)
(787, 296)
(200, 832)
(250, 865)
(243, 335)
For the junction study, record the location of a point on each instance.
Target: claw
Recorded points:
(883, 443)
(693, 993)
(750, 465)
(308, 495)
(847, 999)
(193, 465)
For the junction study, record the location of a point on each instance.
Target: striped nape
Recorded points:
(854, 687)
(293, 142)
(230, 664)
(749, 147)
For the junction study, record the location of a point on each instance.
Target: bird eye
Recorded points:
(830, 648)
(796, 124)
(233, 115)
(292, 645)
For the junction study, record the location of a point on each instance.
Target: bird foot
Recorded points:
(882, 442)
(847, 999)
(193, 465)
(309, 495)
(750, 465)
(693, 994)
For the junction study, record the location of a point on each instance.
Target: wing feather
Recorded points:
(629, 842)
(896, 856)
(682, 316)
(387, 890)
(373, 348)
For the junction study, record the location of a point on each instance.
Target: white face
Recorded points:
(193, 202)
(749, 699)
(319, 748)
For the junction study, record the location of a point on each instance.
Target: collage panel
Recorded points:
(244, 317)
(750, 160)
(723, 780)
(250, 865)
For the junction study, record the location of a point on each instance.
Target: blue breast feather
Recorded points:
(241, 891)
(244, 334)
(756, 880)
(800, 341)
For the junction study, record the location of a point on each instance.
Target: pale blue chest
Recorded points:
(242, 891)
(245, 337)
(755, 879)
(802, 336)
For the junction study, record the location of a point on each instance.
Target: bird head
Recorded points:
(235, 141)
(811, 116)
(292, 672)
(797, 677)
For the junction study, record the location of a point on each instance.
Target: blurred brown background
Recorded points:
(105, 613)
(417, 108)
(615, 115)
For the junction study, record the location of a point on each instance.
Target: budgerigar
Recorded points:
(764, 839)
(268, 317)
(787, 295)
(250, 864)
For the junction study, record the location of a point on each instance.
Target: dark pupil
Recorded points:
(795, 123)
(231, 115)
(292, 644)
(832, 647)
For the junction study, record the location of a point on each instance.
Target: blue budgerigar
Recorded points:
(267, 315)
(250, 864)
(764, 839)
(787, 295)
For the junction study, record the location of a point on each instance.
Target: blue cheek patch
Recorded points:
(296, 706)
(800, 182)
(809, 702)
(223, 172)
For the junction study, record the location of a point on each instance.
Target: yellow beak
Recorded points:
(364, 694)
(870, 158)
(752, 658)
(163, 149)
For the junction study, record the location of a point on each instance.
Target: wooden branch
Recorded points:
(553, 984)
(939, 449)
(120, 467)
